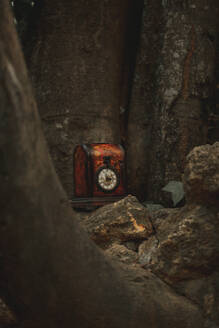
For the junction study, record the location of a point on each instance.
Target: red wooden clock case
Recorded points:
(89, 160)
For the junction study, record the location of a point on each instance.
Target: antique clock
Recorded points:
(99, 174)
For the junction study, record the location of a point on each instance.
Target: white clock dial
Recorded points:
(107, 179)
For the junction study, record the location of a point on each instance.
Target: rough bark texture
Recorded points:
(138, 141)
(186, 76)
(52, 275)
(76, 67)
(177, 105)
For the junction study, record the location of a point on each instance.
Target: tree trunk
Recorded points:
(51, 274)
(76, 69)
(138, 142)
(178, 101)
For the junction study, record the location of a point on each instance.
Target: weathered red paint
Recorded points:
(88, 159)
(80, 159)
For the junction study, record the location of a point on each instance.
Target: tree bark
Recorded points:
(178, 100)
(186, 77)
(76, 69)
(51, 274)
(139, 128)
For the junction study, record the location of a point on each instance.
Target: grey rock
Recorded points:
(201, 175)
(175, 188)
(188, 244)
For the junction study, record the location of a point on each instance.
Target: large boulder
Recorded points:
(125, 220)
(174, 249)
(184, 251)
(186, 245)
(201, 175)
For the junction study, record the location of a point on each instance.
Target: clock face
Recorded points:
(107, 179)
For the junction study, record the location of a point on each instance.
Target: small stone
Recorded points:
(176, 191)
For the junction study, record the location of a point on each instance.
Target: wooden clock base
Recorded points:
(89, 202)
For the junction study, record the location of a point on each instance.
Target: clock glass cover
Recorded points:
(107, 179)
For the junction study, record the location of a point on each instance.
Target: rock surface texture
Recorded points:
(175, 251)
(123, 221)
(201, 177)
(178, 247)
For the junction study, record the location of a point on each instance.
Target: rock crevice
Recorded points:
(178, 246)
